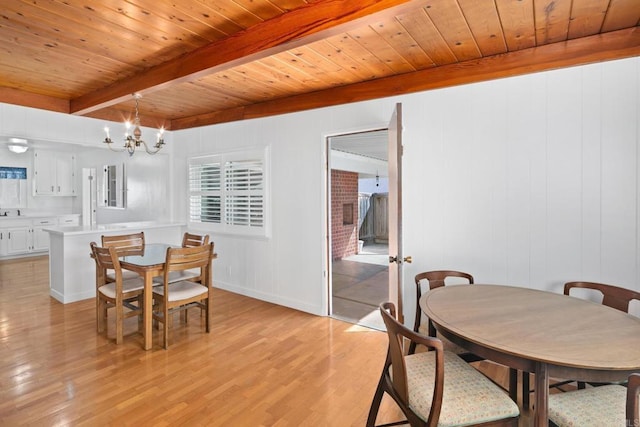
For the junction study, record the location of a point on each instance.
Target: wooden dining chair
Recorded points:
(608, 405)
(188, 241)
(119, 294)
(437, 387)
(176, 296)
(436, 279)
(125, 244)
(611, 296)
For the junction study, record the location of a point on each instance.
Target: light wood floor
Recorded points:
(261, 365)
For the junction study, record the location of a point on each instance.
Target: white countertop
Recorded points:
(123, 226)
(32, 216)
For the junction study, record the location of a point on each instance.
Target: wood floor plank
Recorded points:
(262, 364)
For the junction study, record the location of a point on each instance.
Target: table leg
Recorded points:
(513, 384)
(541, 410)
(147, 310)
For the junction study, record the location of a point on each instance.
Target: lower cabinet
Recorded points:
(23, 236)
(19, 240)
(39, 237)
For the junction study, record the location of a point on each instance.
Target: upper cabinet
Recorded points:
(54, 173)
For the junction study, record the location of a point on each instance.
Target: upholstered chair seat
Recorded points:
(469, 398)
(129, 285)
(592, 406)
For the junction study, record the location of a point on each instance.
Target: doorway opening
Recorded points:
(358, 204)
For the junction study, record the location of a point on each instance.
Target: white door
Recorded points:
(396, 257)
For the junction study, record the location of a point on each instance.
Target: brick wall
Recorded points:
(344, 208)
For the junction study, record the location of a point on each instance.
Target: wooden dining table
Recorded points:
(549, 334)
(149, 263)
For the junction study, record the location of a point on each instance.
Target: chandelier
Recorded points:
(134, 140)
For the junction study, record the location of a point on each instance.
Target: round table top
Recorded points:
(537, 325)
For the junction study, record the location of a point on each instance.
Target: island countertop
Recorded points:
(72, 271)
(121, 226)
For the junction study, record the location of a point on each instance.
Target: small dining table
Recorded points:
(149, 263)
(549, 334)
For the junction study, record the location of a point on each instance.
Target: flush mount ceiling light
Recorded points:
(17, 145)
(133, 141)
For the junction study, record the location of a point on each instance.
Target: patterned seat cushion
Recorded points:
(469, 397)
(590, 407)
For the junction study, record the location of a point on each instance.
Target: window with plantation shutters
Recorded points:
(205, 187)
(227, 192)
(244, 189)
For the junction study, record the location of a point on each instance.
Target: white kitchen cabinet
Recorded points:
(18, 236)
(54, 173)
(4, 238)
(40, 238)
(19, 240)
(24, 236)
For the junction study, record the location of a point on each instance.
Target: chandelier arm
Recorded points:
(109, 143)
(148, 150)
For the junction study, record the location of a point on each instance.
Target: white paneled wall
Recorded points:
(531, 181)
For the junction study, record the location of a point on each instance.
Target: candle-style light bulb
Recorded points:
(106, 130)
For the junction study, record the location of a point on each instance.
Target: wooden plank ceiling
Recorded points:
(211, 61)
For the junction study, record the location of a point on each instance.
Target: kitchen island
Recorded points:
(71, 268)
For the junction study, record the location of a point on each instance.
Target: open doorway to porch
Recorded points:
(359, 226)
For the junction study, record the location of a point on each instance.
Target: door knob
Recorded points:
(393, 259)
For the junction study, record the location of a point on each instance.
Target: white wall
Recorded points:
(148, 185)
(149, 176)
(290, 267)
(530, 181)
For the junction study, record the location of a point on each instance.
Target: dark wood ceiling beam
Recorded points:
(301, 26)
(586, 50)
(27, 99)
